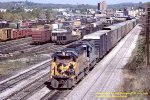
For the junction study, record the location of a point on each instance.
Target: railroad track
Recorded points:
(106, 78)
(17, 83)
(16, 48)
(103, 76)
(27, 49)
(26, 83)
(14, 42)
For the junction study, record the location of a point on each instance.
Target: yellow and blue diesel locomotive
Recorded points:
(69, 65)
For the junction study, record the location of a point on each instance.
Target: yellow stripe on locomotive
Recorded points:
(60, 69)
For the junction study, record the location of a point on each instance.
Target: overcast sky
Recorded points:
(92, 2)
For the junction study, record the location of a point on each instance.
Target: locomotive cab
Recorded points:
(63, 62)
(63, 69)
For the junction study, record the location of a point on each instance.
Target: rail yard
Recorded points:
(68, 53)
(35, 80)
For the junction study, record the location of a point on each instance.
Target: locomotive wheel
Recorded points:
(54, 83)
(86, 71)
(70, 83)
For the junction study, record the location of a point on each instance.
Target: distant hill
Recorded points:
(125, 5)
(26, 4)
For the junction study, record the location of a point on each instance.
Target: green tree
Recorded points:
(1, 15)
(36, 12)
(48, 14)
(148, 4)
(15, 17)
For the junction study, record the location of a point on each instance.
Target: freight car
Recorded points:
(41, 36)
(5, 34)
(9, 33)
(4, 24)
(64, 36)
(107, 38)
(71, 64)
(21, 33)
(56, 34)
(61, 36)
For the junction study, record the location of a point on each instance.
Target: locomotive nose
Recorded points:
(61, 64)
(61, 67)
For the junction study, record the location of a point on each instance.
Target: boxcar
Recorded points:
(100, 42)
(41, 36)
(4, 24)
(107, 38)
(114, 33)
(97, 26)
(17, 33)
(6, 34)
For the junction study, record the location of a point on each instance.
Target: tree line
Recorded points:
(15, 14)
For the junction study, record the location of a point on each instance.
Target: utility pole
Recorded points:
(147, 32)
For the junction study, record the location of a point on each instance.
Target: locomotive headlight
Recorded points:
(63, 53)
(71, 66)
(58, 67)
(71, 70)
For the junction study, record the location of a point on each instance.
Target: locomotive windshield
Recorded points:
(64, 57)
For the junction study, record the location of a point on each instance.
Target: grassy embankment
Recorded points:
(136, 73)
(9, 66)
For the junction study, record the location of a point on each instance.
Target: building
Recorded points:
(3, 10)
(102, 6)
(119, 13)
(28, 10)
(125, 11)
(110, 12)
(137, 12)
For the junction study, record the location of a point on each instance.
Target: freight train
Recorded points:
(9, 33)
(71, 64)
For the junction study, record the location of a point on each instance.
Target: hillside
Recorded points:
(26, 4)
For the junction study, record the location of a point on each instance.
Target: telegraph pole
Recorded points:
(147, 32)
